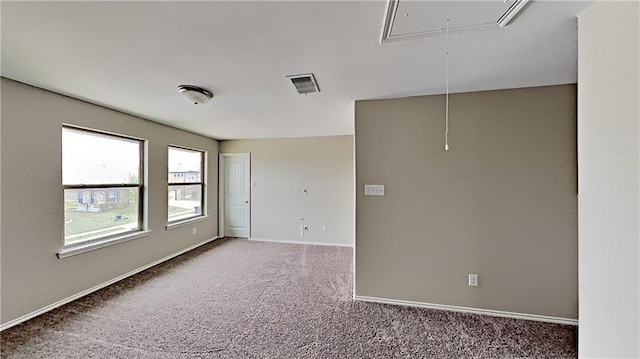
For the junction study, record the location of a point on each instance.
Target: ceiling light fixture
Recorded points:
(194, 94)
(511, 12)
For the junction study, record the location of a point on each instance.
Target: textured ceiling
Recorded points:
(131, 56)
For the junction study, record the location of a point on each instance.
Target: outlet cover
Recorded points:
(374, 190)
(473, 280)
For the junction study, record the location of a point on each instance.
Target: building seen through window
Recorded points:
(186, 184)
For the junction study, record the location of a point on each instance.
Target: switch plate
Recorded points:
(374, 190)
(473, 280)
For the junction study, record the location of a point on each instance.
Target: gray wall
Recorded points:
(501, 203)
(281, 169)
(609, 180)
(32, 199)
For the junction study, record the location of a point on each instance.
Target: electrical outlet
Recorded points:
(195, 231)
(473, 280)
(324, 228)
(374, 190)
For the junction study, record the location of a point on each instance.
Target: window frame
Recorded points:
(203, 184)
(69, 249)
(110, 198)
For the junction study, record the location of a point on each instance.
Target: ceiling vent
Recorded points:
(304, 83)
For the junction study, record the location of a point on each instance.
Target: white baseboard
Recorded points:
(62, 302)
(453, 308)
(334, 244)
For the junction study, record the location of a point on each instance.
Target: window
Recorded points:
(186, 198)
(102, 178)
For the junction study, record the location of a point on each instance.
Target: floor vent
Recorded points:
(305, 83)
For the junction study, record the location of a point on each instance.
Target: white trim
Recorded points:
(145, 193)
(220, 195)
(334, 244)
(390, 19)
(221, 182)
(73, 249)
(391, 15)
(59, 303)
(353, 214)
(454, 308)
(249, 188)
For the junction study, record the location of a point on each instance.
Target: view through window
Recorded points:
(186, 183)
(102, 181)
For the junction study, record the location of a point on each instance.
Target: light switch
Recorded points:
(374, 190)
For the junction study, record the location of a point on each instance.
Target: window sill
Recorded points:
(74, 249)
(186, 222)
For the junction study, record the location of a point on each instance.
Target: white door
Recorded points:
(235, 193)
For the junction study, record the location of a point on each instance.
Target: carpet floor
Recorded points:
(241, 299)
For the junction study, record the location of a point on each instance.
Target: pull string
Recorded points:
(446, 120)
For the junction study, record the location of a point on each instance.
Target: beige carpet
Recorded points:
(241, 299)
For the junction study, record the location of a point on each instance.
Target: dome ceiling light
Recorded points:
(194, 94)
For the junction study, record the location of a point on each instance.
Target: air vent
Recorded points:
(305, 83)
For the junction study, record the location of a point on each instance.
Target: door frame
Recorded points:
(222, 157)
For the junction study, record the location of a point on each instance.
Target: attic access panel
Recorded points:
(417, 19)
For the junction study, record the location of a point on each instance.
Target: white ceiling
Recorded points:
(131, 56)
